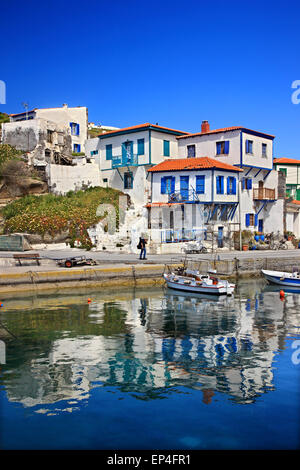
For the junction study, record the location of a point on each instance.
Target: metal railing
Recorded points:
(264, 194)
(121, 160)
(183, 196)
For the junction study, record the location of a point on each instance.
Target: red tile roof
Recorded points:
(289, 161)
(225, 129)
(201, 163)
(146, 125)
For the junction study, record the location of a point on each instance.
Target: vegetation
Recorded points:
(4, 117)
(50, 214)
(8, 153)
(95, 131)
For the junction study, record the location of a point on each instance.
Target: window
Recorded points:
(76, 148)
(223, 147)
(200, 184)
(74, 128)
(167, 185)
(104, 180)
(251, 220)
(94, 152)
(220, 184)
(141, 146)
(264, 150)
(128, 180)
(108, 149)
(283, 170)
(231, 185)
(249, 146)
(166, 148)
(191, 151)
(247, 183)
(50, 136)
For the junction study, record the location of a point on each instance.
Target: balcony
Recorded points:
(125, 160)
(183, 196)
(264, 194)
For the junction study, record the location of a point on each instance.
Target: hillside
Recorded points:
(52, 215)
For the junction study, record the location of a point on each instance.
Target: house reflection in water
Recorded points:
(149, 344)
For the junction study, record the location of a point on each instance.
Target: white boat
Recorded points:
(283, 278)
(193, 281)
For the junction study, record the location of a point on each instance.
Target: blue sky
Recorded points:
(172, 62)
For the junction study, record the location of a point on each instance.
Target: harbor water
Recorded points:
(150, 368)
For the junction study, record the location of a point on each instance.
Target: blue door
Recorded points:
(220, 237)
(261, 225)
(127, 153)
(184, 187)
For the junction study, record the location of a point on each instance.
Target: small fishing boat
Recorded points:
(283, 278)
(193, 281)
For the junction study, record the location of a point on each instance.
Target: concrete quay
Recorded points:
(127, 270)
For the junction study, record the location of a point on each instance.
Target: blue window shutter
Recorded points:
(166, 148)
(247, 146)
(77, 129)
(249, 183)
(247, 220)
(226, 150)
(109, 152)
(255, 219)
(173, 185)
(234, 186)
(218, 148)
(163, 185)
(228, 185)
(200, 184)
(79, 148)
(222, 184)
(218, 184)
(243, 183)
(141, 147)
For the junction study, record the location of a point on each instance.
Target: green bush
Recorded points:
(51, 214)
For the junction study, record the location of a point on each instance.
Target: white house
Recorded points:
(124, 156)
(191, 196)
(75, 118)
(260, 209)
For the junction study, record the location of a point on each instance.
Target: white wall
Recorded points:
(64, 178)
(208, 196)
(63, 116)
(206, 147)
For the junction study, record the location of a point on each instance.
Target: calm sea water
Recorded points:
(151, 369)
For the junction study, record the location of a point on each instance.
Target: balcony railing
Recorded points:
(121, 160)
(264, 194)
(183, 196)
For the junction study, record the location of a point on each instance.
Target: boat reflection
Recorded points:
(148, 343)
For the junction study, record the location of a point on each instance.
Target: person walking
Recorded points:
(142, 247)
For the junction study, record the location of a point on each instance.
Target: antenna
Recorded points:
(25, 105)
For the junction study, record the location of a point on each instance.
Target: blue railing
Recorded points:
(182, 235)
(183, 196)
(121, 160)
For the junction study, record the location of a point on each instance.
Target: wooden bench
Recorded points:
(27, 256)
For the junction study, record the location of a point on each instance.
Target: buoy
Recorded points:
(281, 294)
(89, 301)
(1, 305)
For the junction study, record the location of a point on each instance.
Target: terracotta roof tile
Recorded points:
(201, 163)
(147, 124)
(287, 161)
(225, 129)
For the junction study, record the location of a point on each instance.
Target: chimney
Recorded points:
(204, 127)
